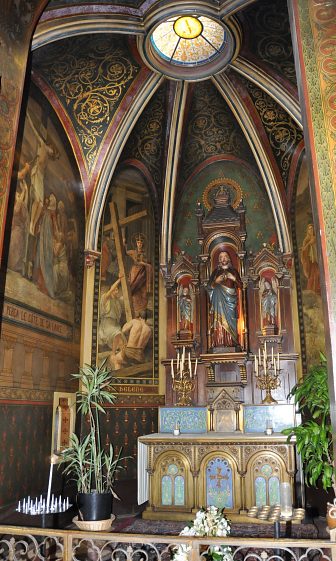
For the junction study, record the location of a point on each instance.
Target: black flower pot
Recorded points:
(94, 506)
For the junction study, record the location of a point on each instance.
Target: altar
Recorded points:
(180, 474)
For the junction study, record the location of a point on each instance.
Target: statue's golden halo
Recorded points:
(235, 191)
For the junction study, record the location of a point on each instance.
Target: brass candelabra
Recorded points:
(267, 372)
(183, 380)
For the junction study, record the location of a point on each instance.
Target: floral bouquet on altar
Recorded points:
(208, 522)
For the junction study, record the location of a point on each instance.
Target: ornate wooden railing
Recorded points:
(33, 544)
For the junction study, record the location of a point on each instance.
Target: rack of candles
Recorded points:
(183, 380)
(267, 372)
(41, 506)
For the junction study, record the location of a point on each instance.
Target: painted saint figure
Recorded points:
(223, 292)
(309, 260)
(185, 308)
(269, 301)
(140, 276)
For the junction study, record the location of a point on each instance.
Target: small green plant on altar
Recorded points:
(208, 522)
(314, 435)
(86, 462)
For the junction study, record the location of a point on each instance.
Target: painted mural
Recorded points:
(43, 289)
(126, 297)
(44, 246)
(309, 274)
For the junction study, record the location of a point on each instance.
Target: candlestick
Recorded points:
(49, 485)
(183, 383)
(267, 373)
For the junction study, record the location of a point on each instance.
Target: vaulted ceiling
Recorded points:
(116, 109)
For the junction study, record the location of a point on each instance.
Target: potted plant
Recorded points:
(314, 436)
(86, 461)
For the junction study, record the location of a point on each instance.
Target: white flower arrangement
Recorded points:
(208, 522)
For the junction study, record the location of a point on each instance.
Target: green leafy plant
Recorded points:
(85, 460)
(314, 435)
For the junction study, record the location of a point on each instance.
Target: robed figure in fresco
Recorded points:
(309, 260)
(223, 292)
(140, 276)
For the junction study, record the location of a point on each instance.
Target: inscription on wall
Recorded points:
(39, 322)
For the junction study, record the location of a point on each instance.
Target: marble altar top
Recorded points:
(276, 437)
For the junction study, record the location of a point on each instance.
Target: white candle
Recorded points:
(178, 360)
(278, 361)
(49, 485)
(259, 356)
(189, 362)
(272, 354)
(67, 502)
(19, 506)
(255, 363)
(172, 368)
(195, 368)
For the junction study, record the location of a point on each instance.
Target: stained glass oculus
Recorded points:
(189, 40)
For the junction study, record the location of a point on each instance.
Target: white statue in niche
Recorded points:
(269, 301)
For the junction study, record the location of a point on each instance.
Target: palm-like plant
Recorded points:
(314, 435)
(85, 459)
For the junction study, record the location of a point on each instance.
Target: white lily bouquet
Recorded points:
(208, 522)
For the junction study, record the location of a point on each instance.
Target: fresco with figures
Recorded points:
(309, 275)
(44, 268)
(44, 244)
(126, 296)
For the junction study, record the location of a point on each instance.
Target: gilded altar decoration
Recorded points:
(267, 372)
(183, 380)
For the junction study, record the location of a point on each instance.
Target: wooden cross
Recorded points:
(115, 226)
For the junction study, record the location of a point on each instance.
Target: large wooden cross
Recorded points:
(115, 226)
